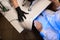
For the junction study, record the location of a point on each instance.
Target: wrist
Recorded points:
(18, 9)
(16, 6)
(15, 3)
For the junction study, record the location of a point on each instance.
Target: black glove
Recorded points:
(20, 14)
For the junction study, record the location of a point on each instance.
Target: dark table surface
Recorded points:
(8, 32)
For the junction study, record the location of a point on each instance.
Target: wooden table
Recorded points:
(8, 32)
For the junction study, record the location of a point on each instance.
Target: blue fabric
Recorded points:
(50, 24)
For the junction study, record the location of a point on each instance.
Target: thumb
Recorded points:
(26, 13)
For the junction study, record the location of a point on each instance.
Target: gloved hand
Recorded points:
(20, 14)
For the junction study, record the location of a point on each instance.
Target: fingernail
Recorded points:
(35, 23)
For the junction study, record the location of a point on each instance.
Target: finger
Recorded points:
(24, 16)
(38, 25)
(26, 13)
(22, 19)
(19, 19)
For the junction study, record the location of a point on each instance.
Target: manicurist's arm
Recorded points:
(20, 13)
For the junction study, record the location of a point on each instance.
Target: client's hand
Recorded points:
(38, 25)
(56, 3)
